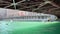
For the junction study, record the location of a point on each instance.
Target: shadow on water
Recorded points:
(58, 20)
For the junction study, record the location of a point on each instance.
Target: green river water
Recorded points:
(29, 27)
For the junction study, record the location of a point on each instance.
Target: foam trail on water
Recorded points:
(5, 27)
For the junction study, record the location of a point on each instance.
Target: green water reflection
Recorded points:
(32, 27)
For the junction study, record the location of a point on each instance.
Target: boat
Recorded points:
(10, 14)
